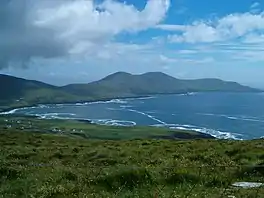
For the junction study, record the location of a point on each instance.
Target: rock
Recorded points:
(248, 184)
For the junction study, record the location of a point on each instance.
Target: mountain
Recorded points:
(17, 92)
(12, 87)
(123, 84)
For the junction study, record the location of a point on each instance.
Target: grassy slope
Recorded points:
(48, 165)
(17, 92)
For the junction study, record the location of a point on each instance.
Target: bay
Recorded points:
(223, 115)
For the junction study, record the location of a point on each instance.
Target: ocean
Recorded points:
(223, 115)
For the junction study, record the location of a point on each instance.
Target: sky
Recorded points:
(79, 41)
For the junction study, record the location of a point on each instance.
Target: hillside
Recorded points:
(17, 92)
(14, 88)
(54, 165)
(123, 84)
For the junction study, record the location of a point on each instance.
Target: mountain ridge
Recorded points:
(18, 92)
(155, 83)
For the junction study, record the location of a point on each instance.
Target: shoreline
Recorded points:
(171, 134)
(90, 122)
(198, 133)
(73, 102)
(7, 112)
(3, 110)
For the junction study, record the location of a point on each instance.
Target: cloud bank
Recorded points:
(31, 29)
(233, 26)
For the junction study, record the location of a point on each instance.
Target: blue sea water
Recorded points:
(223, 115)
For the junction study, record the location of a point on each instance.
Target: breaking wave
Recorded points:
(148, 115)
(116, 101)
(111, 122)
(239, 118)
(215, 133)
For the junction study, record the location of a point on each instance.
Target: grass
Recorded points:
(63, 165)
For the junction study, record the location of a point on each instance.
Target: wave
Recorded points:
(122, 107)
(41, 106)
(219, 134)
(52, 115)
(115, 101)
(9, 112)
(215, 133)
(13, 111)
(187, 94)
(147, 98)
(126, 106)
(141, 98)
(113, 109)
(241, 118)
(151, 112)
(147, 115)
(111, 122)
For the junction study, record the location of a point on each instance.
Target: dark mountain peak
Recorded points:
(144, 75)
(5, 76)
(157, 76)
(117, 75)
(161, 74)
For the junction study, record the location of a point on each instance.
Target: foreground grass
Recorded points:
(47, 165)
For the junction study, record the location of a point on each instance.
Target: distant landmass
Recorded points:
(18, 92)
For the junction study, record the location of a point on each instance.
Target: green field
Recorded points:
(38, 159)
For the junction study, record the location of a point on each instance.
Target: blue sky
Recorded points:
(64, 41)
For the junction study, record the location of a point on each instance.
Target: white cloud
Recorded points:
(51, 29)
(254, 38)
(236, 25)
(230, 27)
(166, 60)
(170, 27)
(197, 33)
(187, 51)
(202, 61)
(81, 20)
(249, 56)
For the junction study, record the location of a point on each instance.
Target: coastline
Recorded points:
(190, 92)
(85, 128)
(202, 131)
(3, 110)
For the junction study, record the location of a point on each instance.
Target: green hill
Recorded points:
(17, 92)
(123, 84)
